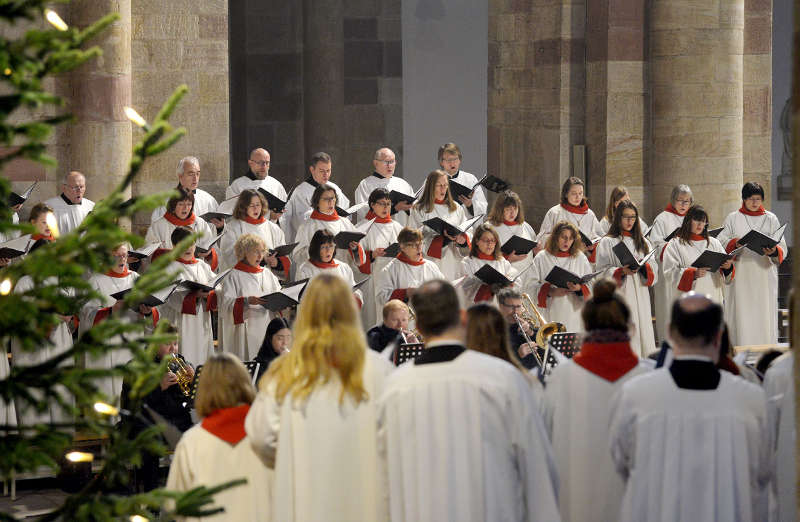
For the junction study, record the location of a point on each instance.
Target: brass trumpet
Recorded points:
(413, 317)
(546, 330)
(181, 370)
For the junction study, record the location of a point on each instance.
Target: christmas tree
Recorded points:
(60, 288)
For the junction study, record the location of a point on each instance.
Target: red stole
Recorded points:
(244, 267)
(405, 259)
(609, 361)
(669, 208)
(37, 237)
(322, 264)
(486, 257)
(252, 221)
(583, 208)
(510, 223)
(227, 423)
(190, 262)
(759, 212)
(316, 214)
(125, 273)
(175, 220)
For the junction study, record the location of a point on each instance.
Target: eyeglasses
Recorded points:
(76, 188)
(383, 203)
(261, 163)
(488, 241)
(629, 218)
(512, 306)
(328, 246)
(684, 201)
(388, 162)
(412, 245)
(331, 198)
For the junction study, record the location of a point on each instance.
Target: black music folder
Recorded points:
(397, 197)
(560, 277)
(714, 232)
(155, 299)
(672, 234)
(196, 285)
(518, 244)
(344, 238)
(392, 250)
(440, 226)
(345, 212)
(626, 257)
(756, 241)
(15, 199)
(283, 250)
(274, 203)
(15, 247)
(712, 260)
(491, 183)
(205, 243)
(223, 211)
(145, 251)
(589, 242)
(286, 297)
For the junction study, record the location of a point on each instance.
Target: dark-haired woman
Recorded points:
(180, 213)
(508, 218)
(485, 250)
(576, 409)
(321, 260)
(751, 301)
(277, 341)
(683, 250)
(626, 229)
(563, 249)
(574, 209)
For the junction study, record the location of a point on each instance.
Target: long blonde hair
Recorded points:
(327, 338)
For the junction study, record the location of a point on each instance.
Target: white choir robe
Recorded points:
(400, 275)
(326, 462)
(464, 440)
(95, 311)
(679, 273)
(605, 225)
(195, 334)
(235, 228)
(576, 414)
(471, 289)
(565, 309)
(633, 288)
(586, 223)
(11, 234)
(69, 215)
(309, 270)
(203, 203)
(690, 455)
(242, 325)
(663, 225)
(8, 414)
(300, 203)
(379, 235)
(249, 181)
(160, 230)
(449, 262)
(479, 203)
(370, 183)
(751, 300)
(310, 226)
(203, 459)
(779, 388)
(523, 230)
(61, 339)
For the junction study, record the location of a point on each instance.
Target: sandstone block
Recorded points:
(757, 110)
(156, 55)
(160, 26)
(757, 154)
(626, 77)
(757, 69)
(211, 56)
(213, 27)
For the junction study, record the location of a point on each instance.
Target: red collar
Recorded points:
(607, 360)
(696, 237)
(320, 264)
(244, 267)
(175, 220)
(258, 221)
(671, 209)
(37, 237)
(405, 259)
(227, 423)
(387, 219)
(370, 215)
(583, 208)
(324, 217)
(510, 223)
(439, 201)
(563, 254)
(486, 257)
(759, 212)
(626, 233)
(190, 262)
(111, 273)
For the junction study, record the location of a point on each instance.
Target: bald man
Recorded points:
(188, 173)
(384, 164)
(70, 207)
(257, 176)
(691, 442)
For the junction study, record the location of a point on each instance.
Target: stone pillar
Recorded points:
(615, 100)
(696, 86)
(323, 77)
(100, 138)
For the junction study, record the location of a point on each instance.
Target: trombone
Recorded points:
(533, 317)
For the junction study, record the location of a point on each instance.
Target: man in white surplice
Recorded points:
(70, 207)
(384, 164)
(692, 442)
(188, 173)
(459, 432)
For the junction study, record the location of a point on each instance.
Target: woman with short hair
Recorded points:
(321, 260)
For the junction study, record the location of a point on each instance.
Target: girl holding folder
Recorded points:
(508, 219)
(321, 260)
(626, 230)
(485, 251)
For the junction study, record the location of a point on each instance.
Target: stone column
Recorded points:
(100, 138)
(696, 86)
(323, 77)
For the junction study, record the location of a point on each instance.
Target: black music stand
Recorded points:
(404, 352)
(196, 380)
(252, 369)
(567, 343)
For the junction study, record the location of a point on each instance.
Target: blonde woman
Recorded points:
(315, 413)
(218, 450)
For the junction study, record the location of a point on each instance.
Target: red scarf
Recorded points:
(190, 262)
(510, 223)
(607, 360)
(37, 237)
(387, 219)
(178, 222)
(439, 201)
(322, 264)
(125, 273)
(486, 257)
(671, 209)
(563, 254)
(583, 208)
(227, 423)
(258, 221)
(244, 267)
(405, 259)
(370, 215)
(696, 237)
(759, 212)
(626, 233)
(324, 217)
